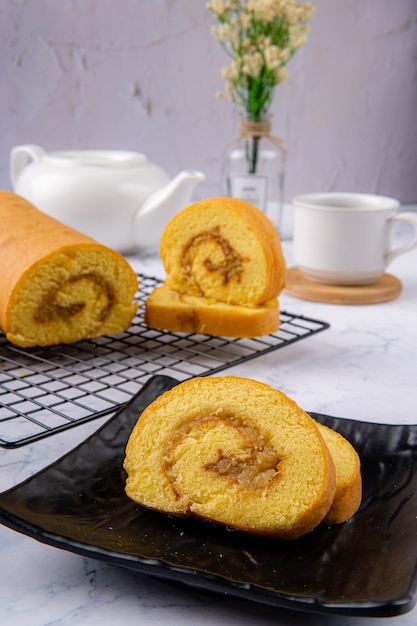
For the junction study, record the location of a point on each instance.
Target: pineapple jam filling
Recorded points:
(231, 265)
(252, 462)
(70, 298)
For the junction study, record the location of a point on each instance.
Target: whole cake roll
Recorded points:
(225, 249)
(235, 451)
(56, 284)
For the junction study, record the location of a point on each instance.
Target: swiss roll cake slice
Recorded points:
(225, 249)
(234, 451)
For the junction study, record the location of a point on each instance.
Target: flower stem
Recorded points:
(252, 146)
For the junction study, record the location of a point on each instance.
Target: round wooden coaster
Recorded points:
(386, 288)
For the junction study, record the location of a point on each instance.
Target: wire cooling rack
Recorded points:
(47, 390)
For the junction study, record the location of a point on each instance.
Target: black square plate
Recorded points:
(365, 567)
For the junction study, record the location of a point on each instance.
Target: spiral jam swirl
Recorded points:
(221, 259)
(81, 293)
(240, 453)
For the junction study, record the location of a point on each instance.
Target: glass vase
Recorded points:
(254, 168)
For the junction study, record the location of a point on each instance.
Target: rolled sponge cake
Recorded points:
(235, 451)
(56, 284)
(224, 271)
(225, 249)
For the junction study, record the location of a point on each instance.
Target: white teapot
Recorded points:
(116, 197)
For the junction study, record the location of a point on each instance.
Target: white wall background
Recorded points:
(142, 75)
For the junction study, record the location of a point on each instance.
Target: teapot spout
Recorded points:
(156, 211)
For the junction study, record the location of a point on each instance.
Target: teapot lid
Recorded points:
(111, 158)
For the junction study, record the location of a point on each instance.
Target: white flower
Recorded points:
(272, 56)
(281, 75)
(260, 37)
(252, 64)
(231, 73)
(218, 7)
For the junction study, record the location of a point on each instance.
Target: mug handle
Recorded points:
(19, 157)
(410, 218)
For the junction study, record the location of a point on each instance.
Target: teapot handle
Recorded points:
(19, 157)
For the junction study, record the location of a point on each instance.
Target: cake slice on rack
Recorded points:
(225, 269)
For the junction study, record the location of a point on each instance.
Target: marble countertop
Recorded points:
(363, 367)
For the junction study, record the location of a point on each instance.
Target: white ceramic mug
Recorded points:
(346, 238)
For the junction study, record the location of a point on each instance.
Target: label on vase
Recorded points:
(251, 188)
